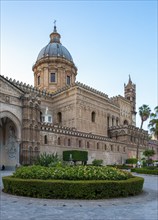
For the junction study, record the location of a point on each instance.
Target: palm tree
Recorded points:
(153, 123)
(144, 112)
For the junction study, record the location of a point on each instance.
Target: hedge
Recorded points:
(76, 155)
(131, 161)
(66, 189)
(145, 171)
(121, 166)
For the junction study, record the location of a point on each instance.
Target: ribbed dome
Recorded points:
(54, 48)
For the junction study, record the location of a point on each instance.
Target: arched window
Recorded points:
(93, 116)
(59, 117)
(38, 80)
(87, 144)
(69, 142)
(68, 80)
(111, 147)
(52, 77)
(125, 122)
(45, 139)
(117, 122)
(112, 121)
(118, 148)
(41, 116)
(108, 121)
(59, 141)
(97, 146)
(79, 143)
(105, 147)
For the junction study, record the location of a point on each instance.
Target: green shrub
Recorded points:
(151, 168)
(97, 162)
(75, 155)
(72, 173)
(47, 159)
(145, 171)
(131, 161)
(122, 166)
(66, 189)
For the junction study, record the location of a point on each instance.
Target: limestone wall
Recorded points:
(98, 147)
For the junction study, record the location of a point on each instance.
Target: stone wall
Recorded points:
(56, 139)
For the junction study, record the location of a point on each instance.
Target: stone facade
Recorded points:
(60, 114)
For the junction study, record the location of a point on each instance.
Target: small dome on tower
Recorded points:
(54, 48)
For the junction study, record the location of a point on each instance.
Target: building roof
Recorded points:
(55, 48)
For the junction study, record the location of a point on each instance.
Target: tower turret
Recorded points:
(130, 94)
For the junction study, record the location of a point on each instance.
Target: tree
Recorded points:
(153, 123)
(148, 153)
(144, 112)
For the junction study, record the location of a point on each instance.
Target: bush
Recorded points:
(71, 173)
(122, 166)
(75, 155)
(47, 159)
(66, 189)
(145, 171)
(131, 161)
(97, 162)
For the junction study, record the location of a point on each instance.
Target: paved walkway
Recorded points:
(141, 207)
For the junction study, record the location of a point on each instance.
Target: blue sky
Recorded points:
(108, 40)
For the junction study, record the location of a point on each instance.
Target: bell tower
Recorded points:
(130, 94)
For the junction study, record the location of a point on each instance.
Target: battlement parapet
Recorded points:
(91, 89)
(73, 132)
(129, 127)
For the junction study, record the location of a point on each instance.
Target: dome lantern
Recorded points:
(55, 36)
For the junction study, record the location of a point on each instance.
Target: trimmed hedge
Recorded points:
(131, 161)
(76, 155)
(145, 171)
(121, 166)
(66, 189)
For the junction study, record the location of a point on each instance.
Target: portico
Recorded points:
(10, 139)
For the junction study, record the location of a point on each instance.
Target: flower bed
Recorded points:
(77, 182)
(72, 173)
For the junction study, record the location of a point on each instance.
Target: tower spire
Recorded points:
(129, 81)
(55, 28)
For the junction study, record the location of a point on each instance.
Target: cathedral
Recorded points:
(58, 114)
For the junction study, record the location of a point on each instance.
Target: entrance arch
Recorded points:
(10, 138)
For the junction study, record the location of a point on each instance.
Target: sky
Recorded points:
(108, 40)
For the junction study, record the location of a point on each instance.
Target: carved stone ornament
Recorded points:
(11, 145)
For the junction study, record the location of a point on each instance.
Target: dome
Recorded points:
(54, 48)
